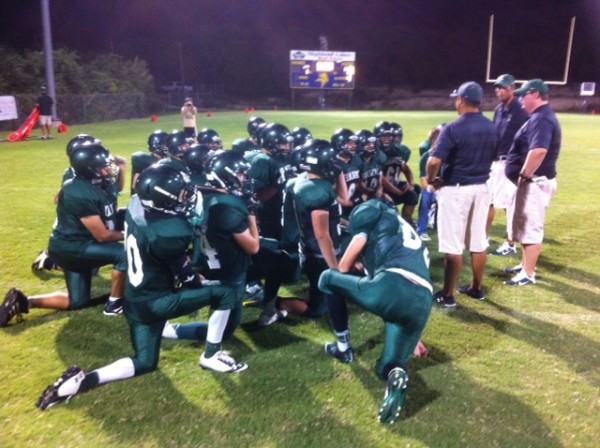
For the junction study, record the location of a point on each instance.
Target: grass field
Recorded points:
(521, 369)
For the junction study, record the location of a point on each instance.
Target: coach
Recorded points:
(531, 165)
(462, 157)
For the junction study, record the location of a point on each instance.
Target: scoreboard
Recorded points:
(333, 70)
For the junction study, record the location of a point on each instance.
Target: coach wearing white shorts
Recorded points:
(462, 157)
(531, 166)
(509, 116)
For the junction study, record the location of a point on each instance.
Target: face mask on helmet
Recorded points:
(228, 171)
(92, 161)
(166, 190)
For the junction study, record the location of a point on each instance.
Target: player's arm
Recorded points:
(120, 162)
(410, 178)
(390, 187)
(320, 224)
(101, 234)
(248, 240)
(341, 188)
(267, 193)
(350, 257)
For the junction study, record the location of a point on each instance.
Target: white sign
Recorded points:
(588, 89)
(310, 55)
(8, 108)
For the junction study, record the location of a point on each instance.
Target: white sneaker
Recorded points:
(266, 319)
(222, 362)
(521, 279)
(505, 249)
(424, 237)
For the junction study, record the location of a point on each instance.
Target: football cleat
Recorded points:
(113, 307)
(15, 303)
(395, 395)
(266, 319)
(39, 262)
(63, 389)
(223, 363)
(346, 356)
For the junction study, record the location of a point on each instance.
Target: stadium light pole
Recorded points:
(48, 57)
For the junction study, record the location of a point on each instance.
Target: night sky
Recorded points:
(244, 45)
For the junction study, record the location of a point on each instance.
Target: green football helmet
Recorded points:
(300, 136)
(366, 143)
(397, 131)
(178, 143)
(228, 171)
(76, 141)
(211, 138)
(89, 158)
(255, 124)
(320, 158)
(344, 141)
(384, 133)
(196, 158)
(276, 139)
(157, 143)
(167, 190)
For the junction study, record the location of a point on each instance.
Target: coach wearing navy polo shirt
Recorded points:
(531, 165)
(459, 167)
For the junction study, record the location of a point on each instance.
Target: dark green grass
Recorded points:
(521, 369)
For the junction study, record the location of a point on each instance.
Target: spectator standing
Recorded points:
(44, 104)
(462, 156)
(509, 116)
(189, 112)
(531, 166)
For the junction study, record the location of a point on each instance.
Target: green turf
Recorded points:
(521, 369)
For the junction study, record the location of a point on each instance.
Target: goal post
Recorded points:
(561, 82)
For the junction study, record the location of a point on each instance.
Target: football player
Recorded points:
(140, 160)
(267, 170)
(211, 138)
(397, 288)
(344, 141)
(318, 215)
(160, 285)
(177, 144)
(371, 184)
(84, 237)
(394, 166)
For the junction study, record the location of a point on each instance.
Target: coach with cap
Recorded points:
(509, 116)
(459, 167)
(531, 165)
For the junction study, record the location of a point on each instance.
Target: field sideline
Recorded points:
(521, 369)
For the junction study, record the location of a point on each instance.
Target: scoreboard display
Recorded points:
(333, 70)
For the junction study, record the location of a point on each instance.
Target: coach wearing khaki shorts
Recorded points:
(462, 157)
(531, 166)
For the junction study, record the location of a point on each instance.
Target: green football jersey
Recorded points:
(370, 173)
(153, 241)
(139, 162)
(403, 150)
(391, 241)
(267, 171)
(80, 198)
(392, 167)
(290, 235)
(351, 172)
(315, 194)
(223, 258)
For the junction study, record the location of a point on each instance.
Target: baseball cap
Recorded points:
(505, 80)
(533, 85)
(470, 91)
